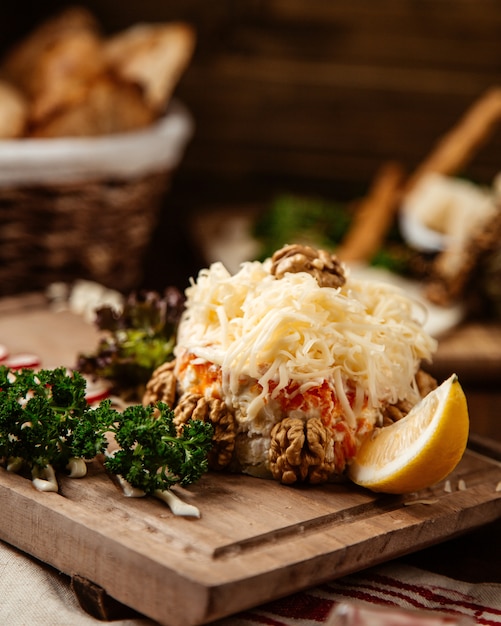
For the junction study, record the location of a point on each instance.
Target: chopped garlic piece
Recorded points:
(15, 464)
(45, 479)
(128, 490)
(77, 468)
(176, 505)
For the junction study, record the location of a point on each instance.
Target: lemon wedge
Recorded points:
(419, 450)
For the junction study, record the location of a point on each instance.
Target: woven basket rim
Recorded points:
(123, 155)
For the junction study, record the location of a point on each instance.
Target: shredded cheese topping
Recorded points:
(363, 338)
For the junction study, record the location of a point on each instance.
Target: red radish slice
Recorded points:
(24, 360)
(96, 390)
(4, 353)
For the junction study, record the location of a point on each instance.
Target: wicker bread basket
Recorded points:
(84, 208)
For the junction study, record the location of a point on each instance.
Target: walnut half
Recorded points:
(162, 385)
(195, 406)
(322, 265)
(301, 451)
(394, 412)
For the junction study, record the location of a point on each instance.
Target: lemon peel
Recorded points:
(419, 450)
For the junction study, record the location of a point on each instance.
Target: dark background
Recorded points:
(304, 95)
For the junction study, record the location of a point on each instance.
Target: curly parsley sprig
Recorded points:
(151, 455)
(39, 412)
(46, 422)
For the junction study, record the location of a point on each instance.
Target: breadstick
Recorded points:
(459, 145)
(374, 216)
(13, 111)
(152, 56)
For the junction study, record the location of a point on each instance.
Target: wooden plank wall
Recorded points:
(307, 95)
(316, 92)
(320, 92)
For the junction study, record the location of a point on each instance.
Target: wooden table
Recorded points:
(256, 540)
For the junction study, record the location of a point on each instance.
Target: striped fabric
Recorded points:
(394, 586)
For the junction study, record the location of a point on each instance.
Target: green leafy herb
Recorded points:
(152, 456)
(39, 412)
(135, 340)
(45, 422)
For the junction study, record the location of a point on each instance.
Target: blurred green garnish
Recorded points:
(135, 341)
(321, 223)
(300, 219)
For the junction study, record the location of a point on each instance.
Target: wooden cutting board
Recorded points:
(255, 541)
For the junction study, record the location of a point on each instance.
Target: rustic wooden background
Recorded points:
(310, 95)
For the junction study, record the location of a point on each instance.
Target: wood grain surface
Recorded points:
(256, 540)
